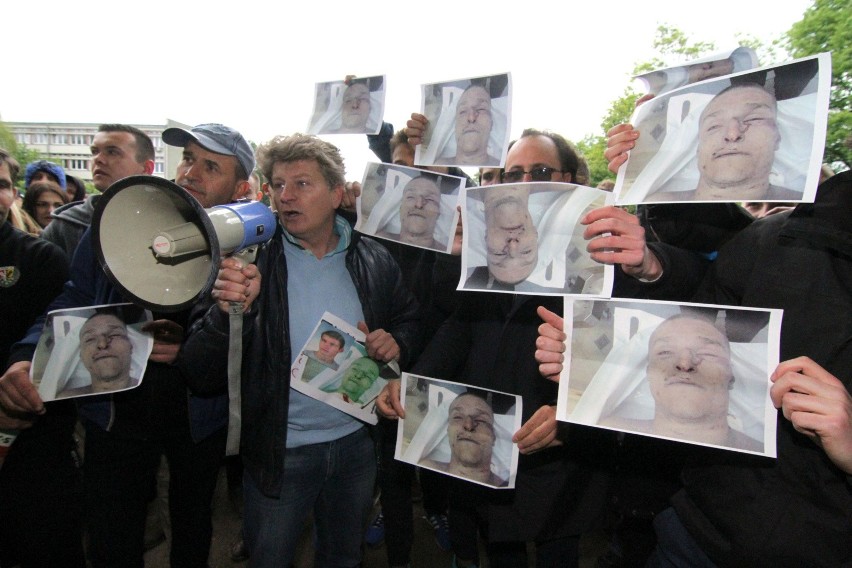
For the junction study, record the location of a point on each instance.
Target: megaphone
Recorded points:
(161, 248)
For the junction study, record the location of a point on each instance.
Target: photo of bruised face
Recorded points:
(471, 431)
(511, 237)
(738, 137)
(355, 108)
(473, 122)
(105, 351)
(419, 210)
(689, 369)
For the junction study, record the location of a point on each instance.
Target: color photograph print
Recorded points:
(752, 136)
(526, 238)
(469, 122)
(409, 206)
(687, 372)
(462, 431)
(354, 108)
(333, 367)
(714, 65)
(93, 350)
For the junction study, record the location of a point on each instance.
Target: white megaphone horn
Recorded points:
(161, 248)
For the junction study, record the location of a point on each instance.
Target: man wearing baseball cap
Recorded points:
(127, 432)
(208, 151)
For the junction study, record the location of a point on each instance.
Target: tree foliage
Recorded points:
(827, 26)
(673, 46)
(20, 152)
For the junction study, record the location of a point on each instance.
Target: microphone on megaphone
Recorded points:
(161, 248)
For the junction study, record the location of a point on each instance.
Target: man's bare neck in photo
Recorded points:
(753, 189)
(707, 430)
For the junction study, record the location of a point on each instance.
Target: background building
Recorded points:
(68, 144)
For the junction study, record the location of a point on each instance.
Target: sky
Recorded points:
(252, 65)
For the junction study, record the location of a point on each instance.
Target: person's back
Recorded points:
(796, 510)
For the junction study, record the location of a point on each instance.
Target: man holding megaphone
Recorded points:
(300, 454)
(127, 432)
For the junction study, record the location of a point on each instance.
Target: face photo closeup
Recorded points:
(753, 136)
(685, 373)
(353, 107)
(92, 351)
(410, 206)
(328, 347)
(334, 368)
(459, 430)
(468, 122)
(526, 238)
(356, 381)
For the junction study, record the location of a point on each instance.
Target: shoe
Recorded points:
(239, 552)
(441, 526)
(153, 540)
(376, 531)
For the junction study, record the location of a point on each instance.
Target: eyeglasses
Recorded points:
(536, 174)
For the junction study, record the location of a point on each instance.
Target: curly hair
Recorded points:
(299, 146)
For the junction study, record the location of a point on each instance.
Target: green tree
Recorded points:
(827, 26)
(593, 146)
(20, 152)
(672, 46)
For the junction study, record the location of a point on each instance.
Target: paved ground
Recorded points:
(425, 554)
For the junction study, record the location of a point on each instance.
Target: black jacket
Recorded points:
(490, 342)
(387, 305)
(796, 510)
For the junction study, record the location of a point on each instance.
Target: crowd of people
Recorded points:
(667, 504)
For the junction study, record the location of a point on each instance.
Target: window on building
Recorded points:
(77, 164)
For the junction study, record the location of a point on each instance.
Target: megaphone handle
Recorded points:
(235, 359)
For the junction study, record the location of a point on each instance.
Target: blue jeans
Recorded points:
(335, 480)
(675, 546)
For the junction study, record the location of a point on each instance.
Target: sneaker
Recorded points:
(239, 552)
(441, 526)
(376, 531)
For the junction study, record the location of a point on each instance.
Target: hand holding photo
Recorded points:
(462, 431)
(686, 372)
(89, 351)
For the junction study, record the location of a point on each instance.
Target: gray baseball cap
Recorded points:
(217, 138)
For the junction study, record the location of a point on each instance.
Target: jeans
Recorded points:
(675, 546)
(334, 479)
(117, 477)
